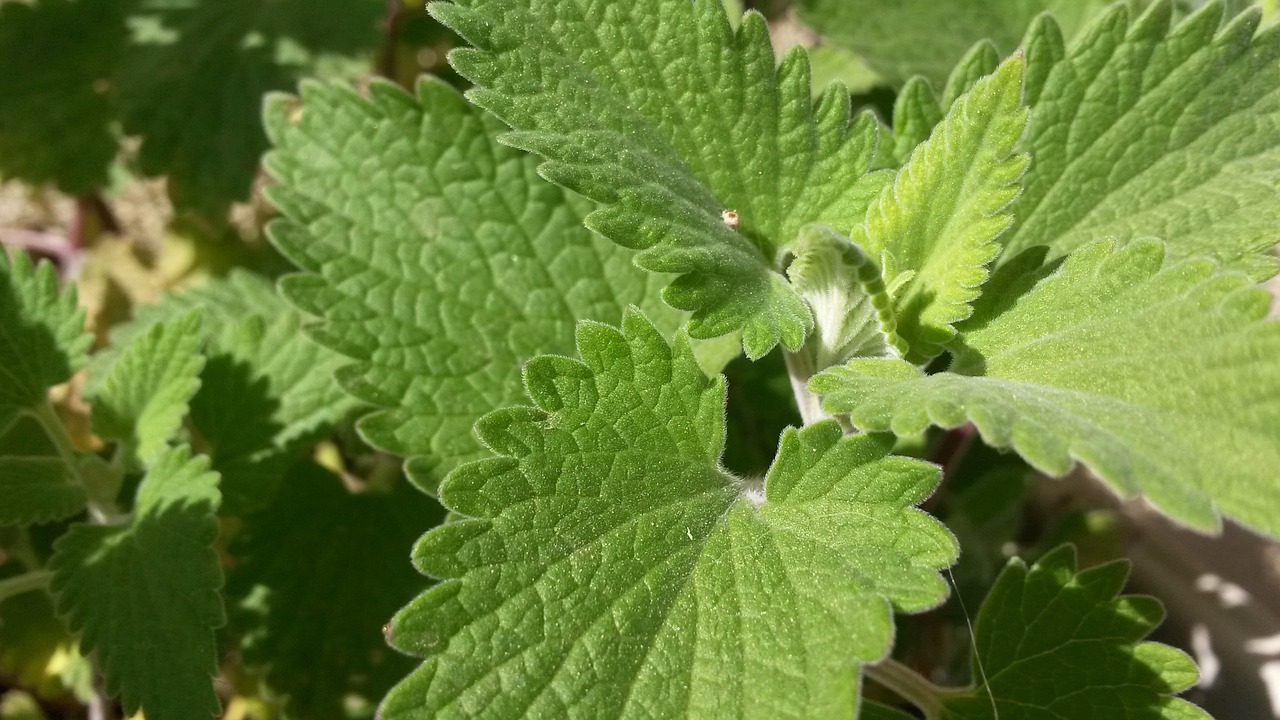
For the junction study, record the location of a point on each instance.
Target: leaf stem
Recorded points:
(910, 686)
(799, 370)
(101, 497)
(26, 582)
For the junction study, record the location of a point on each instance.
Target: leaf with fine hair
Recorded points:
(706, 155)
(1162, 376)
(605, 565)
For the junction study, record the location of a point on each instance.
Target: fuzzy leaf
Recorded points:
(55, 109)
(267, 391)
(42, 336)
(143, 596)
(144, 397)
(604, 565)
(851, 305)
(438, 260)
(940, 217)
(1143, 129)
(318, 633)
(670, 118)
(1050, 640)
(922, 37)
(1162, 376)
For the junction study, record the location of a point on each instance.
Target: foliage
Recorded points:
(658, 348)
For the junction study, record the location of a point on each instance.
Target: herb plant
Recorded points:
(677, 344)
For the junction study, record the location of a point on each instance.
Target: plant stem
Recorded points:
(910, 686)
(101, 499)
(25, 582)
(799, 372)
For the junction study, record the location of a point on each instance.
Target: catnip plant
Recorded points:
(541, 293)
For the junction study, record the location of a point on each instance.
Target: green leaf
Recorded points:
(671, 119)
(55, 108)
(921, 37)
(35, 484)
(267, 391)
(917, 109)
(1050, 641)
(1162, 376)
(438, 260)
(940, 217)
(318, 574)
(143, 596)
(1143, 129)
(42, 336)
(192, 84)
(144, 397)
(604, 565)
(851, 305)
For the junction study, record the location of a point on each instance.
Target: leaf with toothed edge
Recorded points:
(605, 565)
(941, 215)
(1144, 127)
(1051, 640)
(436, 259)
(668, 117)
(851, 304)
(1162, 376)
(143, 595)
(146, 392)
(42, 337)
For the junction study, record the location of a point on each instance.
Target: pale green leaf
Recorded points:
(605, 566)
(316, 576)
(851, 305)
(1143, 128)
(438, 260)
(925, 37)
(671, 119)
(917, 109)
(1050, 641)
(941, 215)
(146, 392)
(143, 596)
(1161, 376)
(42, 336)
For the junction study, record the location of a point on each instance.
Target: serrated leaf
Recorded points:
(192, 84)
(1162, 376)
(35, 483)
(55, 108)
(318, 632)
(439, 260)
(42, 337)
(941, 215)
(267, 390)
(604, 565)
(918, 109)
(671, 119)
(146, 392)
(1050, 640)
(1147, 129)
(143, 596)
(921, 37)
